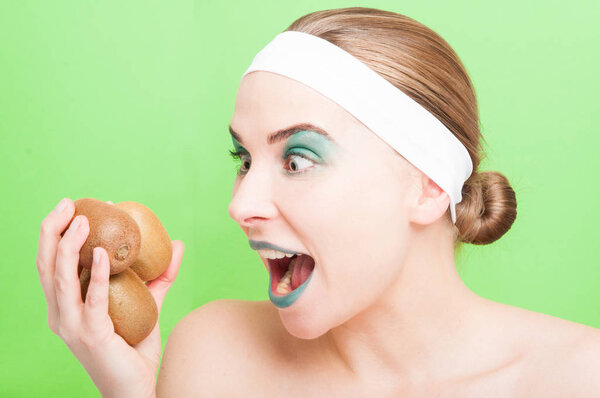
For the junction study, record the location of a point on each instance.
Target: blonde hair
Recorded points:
(419, 62)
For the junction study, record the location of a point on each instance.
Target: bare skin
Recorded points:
(386, 313)
(240, 348)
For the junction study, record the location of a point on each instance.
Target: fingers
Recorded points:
(160, 286)
(109, 202)
(51, 228)
(66, 280)
(96, 300)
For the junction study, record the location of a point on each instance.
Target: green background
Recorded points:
(129, 100)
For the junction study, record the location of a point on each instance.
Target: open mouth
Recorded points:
(288, 273)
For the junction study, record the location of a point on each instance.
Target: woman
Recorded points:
(370, 303)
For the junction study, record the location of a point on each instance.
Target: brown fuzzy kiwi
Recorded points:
(156, 249)
(110, 228)
(130, 305)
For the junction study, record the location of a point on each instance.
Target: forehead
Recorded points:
(268, 102)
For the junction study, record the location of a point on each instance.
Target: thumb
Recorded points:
(160, 286)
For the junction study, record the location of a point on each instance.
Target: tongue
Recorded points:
(302, 269)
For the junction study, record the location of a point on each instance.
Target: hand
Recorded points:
(116, 368)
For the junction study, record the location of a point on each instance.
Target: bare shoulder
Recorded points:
(583, 365)
(579, 361)
(563, 357)
(214, 346)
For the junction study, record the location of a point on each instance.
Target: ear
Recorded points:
(432, 203)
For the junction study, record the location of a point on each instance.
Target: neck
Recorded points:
(419, 324)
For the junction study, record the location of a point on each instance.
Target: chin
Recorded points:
(302, 327)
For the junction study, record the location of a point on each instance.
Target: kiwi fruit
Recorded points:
(110, 228)
(131, 306)
(156, 249)
(139, 250)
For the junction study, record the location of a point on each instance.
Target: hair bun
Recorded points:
(487, 210)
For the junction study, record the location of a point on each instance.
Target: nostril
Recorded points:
(253, 221)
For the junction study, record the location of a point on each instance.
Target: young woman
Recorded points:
(357, 131)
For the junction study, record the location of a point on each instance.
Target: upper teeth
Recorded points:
(273, 254)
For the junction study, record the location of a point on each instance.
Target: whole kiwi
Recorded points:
(156, 249)
(110, 228)
(130, 305)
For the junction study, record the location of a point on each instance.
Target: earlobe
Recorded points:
(432, 203)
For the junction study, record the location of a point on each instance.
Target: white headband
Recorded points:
(396, 118)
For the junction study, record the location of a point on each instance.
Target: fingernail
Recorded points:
(75, 223)
(96, 256)
(61, 206)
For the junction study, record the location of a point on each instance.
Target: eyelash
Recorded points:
(237, 155)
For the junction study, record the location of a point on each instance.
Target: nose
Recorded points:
(252, 200)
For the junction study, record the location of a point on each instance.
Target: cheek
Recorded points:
(357, 234)
(355, 224)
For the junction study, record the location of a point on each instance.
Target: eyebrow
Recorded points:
(283, 134)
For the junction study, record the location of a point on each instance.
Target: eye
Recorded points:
(239, 155)
(297, 161)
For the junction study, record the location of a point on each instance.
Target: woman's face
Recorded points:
(342, 199)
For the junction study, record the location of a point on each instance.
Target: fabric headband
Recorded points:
(402, 123)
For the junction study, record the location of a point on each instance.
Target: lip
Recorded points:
(256, 245)
(281, 301)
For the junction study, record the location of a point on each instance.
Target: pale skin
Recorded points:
(385, 314)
